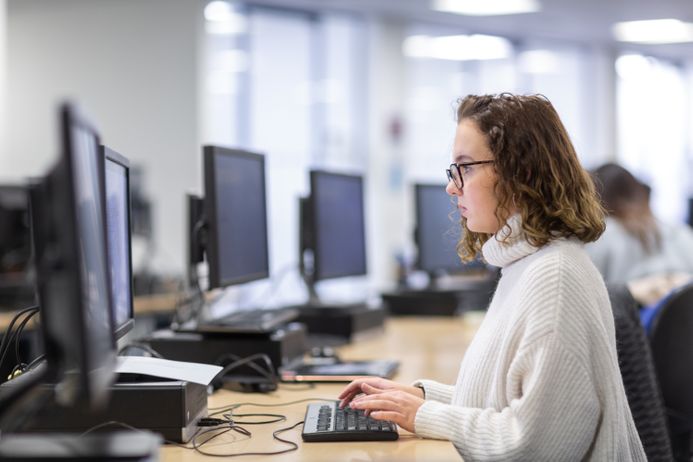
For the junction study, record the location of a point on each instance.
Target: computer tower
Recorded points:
(169, 407)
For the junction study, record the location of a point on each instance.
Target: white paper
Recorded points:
(177, 370)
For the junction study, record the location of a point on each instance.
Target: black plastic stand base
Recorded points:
(452, 301)
(339, 324)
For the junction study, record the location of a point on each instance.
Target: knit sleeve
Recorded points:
(436, 391)
(553, 412)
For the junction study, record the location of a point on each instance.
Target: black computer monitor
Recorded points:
(15, 243)
(333, 226)
(438, 230)
(235, 213)
(118, 225)
(16, 277)
(69, 233)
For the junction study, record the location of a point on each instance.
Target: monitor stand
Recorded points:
(338, 324)
(334, 324)
(472, 293)
(121, 445)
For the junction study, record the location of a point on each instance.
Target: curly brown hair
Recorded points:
(539, 174)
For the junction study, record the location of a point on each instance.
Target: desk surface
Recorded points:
(427, 347)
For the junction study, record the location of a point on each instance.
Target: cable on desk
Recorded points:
(222, 409)
(294, 445)
(274, 418)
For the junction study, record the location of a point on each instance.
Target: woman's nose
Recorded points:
(452, 190)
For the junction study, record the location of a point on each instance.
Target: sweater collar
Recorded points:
(501, 254)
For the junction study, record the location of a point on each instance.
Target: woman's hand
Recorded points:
(395, 405)
(370, 385)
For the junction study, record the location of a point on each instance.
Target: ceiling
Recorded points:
(577, 21)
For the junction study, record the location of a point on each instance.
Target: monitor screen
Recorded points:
(118, 238)
(16, 277)
(15, 247)
(437, 229)
(69, 230)
(338, 228)
(236, 215)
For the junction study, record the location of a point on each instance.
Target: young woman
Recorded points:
(540, 380)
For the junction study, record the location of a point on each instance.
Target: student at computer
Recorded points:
(540, 380)
(635, 245)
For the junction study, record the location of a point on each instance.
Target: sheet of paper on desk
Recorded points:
(177, 370)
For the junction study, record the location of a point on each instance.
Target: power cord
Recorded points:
(293, 444)
(269, 372)
(212, 427)
(21, 368)
(223, 409)
(14, 335)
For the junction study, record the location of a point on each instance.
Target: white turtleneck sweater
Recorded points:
(540, 380)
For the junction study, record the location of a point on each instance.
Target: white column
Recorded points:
(386, 205)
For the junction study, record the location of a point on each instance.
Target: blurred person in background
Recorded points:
(651, 256)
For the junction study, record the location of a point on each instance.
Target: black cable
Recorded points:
(222, 409)
(11, 334)
(216, 427)
(294, 445)
(8, 332)
(274, 419)
(270, 373)
(18, 335)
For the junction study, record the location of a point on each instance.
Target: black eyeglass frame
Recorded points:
(459, 167)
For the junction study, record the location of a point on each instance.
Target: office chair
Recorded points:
(671, 340)
(639, 377)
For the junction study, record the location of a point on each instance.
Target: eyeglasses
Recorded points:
(457, 172)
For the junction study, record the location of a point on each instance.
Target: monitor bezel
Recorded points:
(313, 218)
(210, 153)
(108, 154)
(60, 272)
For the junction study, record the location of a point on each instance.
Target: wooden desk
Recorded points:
(427, 348)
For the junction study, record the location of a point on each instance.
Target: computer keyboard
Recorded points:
(249, 321)
(326, 422)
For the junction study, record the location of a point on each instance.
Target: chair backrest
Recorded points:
(639, 377)
(671, 339)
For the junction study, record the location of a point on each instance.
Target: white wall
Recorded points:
(132, 66)
(3, 90)
(386, 207)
